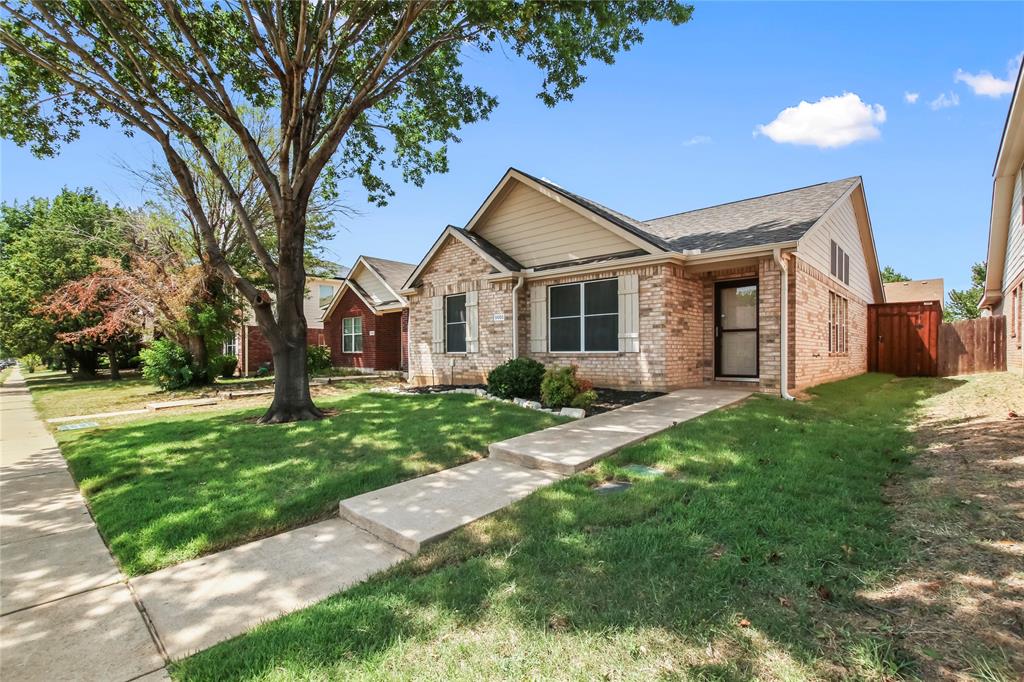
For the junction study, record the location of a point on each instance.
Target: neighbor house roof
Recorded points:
(915, 290)
(769, 219)
(392, 272)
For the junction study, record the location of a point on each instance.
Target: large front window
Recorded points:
(455, 324)
(584, 317)
(352, 335)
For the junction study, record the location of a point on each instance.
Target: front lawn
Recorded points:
(168, 489)
(733, 565)
(55, 394)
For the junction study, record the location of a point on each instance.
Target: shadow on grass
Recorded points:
(769, 512)
(163, 491)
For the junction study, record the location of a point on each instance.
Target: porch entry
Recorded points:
(736, 329)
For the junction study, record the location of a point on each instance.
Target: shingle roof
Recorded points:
(393, 272)
(915, 290)
(490, 249)
(769, 219)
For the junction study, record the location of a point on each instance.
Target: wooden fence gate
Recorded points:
(910, 339)
(903, 338)
(972, 346)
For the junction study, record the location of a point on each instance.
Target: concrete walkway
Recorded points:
(412, 513)
(67, 613)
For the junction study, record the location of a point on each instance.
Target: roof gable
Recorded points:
(499, 260)
(373, 280)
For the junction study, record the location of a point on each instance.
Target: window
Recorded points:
(352, 335)
(838, 331)
(230, 345)
(326, 294)
(455, 324)
(584, 317)
(840, 264)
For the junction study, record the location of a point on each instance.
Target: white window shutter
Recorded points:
(437, 323)
(472, 323)
(538, 318)
(629, 313)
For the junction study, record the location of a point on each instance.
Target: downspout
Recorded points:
(515, 316)
(783, 326)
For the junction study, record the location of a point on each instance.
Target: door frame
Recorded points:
(731, 284)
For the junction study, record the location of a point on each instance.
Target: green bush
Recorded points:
(167, 364)
(517, 378)
(225, 366)
(30, 362)
(318, 358)
(584, 399)
(559, 386)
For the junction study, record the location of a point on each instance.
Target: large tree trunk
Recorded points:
(287, 334)
(115, 368)
(200, 358)
(69, 360)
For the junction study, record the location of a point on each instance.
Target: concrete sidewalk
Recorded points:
(66, 610)
(424, 509)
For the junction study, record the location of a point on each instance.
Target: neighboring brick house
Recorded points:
(684, 300)
(1004, 281)
(252, 349)
(367, 318)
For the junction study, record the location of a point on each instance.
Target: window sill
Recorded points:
(577, 353)
(351, 352)
(839, 355)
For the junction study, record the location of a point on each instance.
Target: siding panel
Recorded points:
(841, 227)
(1015, 238)
(536, 230)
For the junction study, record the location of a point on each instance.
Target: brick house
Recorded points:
(1004, 280)
(684, 300)
(252, 349)
(366, 320)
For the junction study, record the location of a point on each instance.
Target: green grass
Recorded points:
(169, 489)
(55, 394)
(732, 566)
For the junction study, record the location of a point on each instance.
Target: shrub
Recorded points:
(318, 358)
(584, 399)
(167, 364)
(226, 365)
(30, 362)
(516, 378)
(559, 386)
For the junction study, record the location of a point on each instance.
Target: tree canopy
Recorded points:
(359, 89)
(962, 304)
(889, 275)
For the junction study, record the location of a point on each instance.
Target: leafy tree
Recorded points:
(889, 274)
(962, 304)
(44, 244)
(381, 82)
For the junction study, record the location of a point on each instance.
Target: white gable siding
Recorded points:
(372, 285)
(311, 303)
(841, 227)
(1015, 237)
(536, 230)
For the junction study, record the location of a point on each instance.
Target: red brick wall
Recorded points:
(382, 336)
(259, 348)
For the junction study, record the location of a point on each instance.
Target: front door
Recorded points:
(736, 329)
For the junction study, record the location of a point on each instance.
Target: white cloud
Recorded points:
(829, 122)
(911, 97)
(944, 101)
(985, 84)
(697, 139)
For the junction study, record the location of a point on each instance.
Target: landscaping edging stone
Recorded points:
(571, 412)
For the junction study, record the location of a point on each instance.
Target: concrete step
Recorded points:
(568, 448)
(423, 509)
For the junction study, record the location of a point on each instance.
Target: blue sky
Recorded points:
(672, 126)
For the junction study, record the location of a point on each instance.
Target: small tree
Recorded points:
(889, 274)
(360, 78)
(962, 304)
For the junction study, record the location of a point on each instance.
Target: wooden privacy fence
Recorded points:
(972, 346)
(903, 338)
(910, 339)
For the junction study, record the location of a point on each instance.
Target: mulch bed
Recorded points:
(608, 399)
